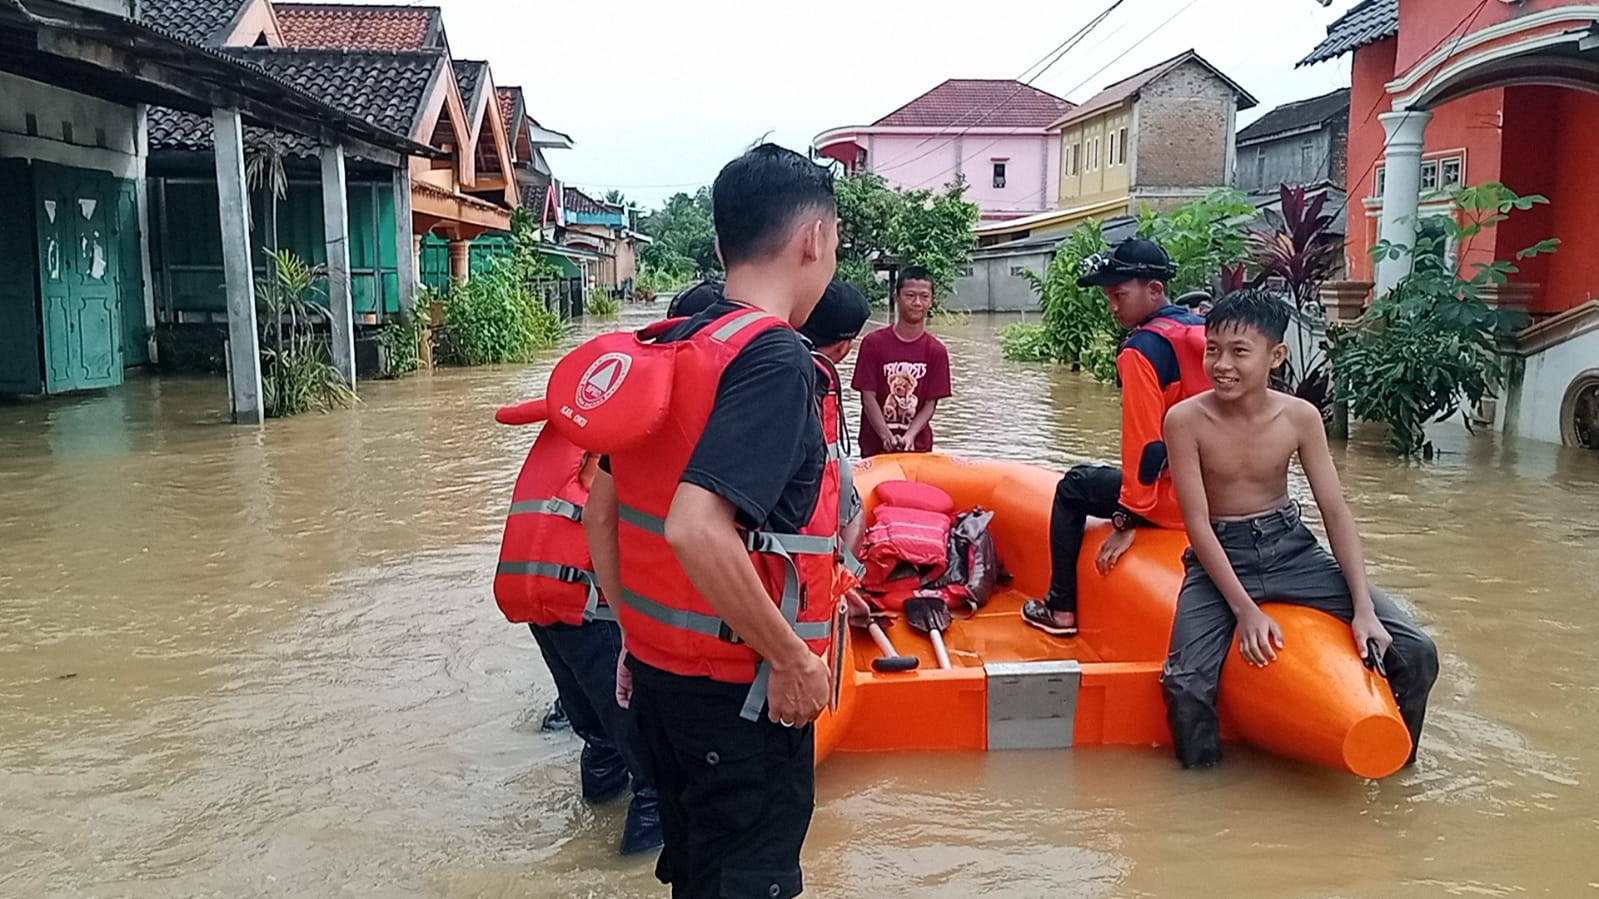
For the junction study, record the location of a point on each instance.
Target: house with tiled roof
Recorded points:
(605, 230)
(386, 64)
(1303, 142)
(995, 135)
(1445, 94)
(77, 296)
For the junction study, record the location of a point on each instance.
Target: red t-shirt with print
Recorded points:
(902, 374)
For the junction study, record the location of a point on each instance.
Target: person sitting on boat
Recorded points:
(1230, 450)
(1159, 364)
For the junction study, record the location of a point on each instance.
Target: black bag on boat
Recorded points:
(974, 569)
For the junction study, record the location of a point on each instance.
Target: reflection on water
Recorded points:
(240, 662)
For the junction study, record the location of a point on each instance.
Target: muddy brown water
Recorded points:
(239, 662)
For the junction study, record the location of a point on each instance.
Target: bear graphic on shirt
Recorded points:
(899, 406)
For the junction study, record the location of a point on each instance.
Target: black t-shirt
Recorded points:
(762, 448)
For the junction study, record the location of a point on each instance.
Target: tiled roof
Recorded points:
(385, 88)
(469, 73)
(574, 200)
(510, 101)
(199, 21)
(174, 129)
(1132, 84)
(1367, 23)
(1298, 115)
(979, 103)
(356, 27)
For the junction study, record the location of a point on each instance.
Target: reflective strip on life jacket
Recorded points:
(570, 574)
(785, 546)
(549, 505)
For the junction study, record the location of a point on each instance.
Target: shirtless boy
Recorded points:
(1229, 450)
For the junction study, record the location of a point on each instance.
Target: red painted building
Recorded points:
(1448, 92)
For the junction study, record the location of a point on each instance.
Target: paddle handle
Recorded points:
(938, 648)
(881, 639)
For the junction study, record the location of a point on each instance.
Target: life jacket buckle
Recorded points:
(725, 634)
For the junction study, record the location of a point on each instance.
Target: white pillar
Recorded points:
(244, 354)
(336, 231)
(1401, 193)
(406, 246)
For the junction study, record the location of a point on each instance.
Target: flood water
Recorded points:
(239, 662)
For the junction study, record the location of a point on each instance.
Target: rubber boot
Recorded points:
(605, 777)
(642, 832)
(555, 719)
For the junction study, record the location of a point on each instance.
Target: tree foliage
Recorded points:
(684, 237)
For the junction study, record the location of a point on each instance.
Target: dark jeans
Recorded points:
(736, 796)
(1277, 558)
(582, 659)
(1085, 490)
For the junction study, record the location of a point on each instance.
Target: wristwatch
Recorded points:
(1121, 520)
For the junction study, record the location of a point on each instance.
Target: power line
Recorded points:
(1048, 61)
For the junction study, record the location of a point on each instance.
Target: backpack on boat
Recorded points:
(973, 570)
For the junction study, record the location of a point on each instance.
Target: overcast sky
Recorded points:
(658, 95)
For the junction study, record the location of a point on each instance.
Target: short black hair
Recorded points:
(912, 273)
(758, 196)
(1250, 308)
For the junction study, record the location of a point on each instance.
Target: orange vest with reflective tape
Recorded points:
(646, 403)
(545, 574)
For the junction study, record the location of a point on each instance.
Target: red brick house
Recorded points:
(1448, 92)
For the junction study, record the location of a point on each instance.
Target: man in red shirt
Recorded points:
(902, 372)
(1159, 364)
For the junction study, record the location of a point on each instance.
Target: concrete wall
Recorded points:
(41, 121)
(930, 161)
(1183, 134)
(1533, 407)
(995, 285)
(1294, 159)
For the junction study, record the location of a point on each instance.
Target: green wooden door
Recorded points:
(21, 368)
(74, 210)
(130, 273)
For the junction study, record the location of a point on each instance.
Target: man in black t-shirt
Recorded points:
(736, 795)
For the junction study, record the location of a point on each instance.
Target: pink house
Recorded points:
(997, 134)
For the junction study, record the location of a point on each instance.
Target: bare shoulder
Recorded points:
(1301, 413)
(1186, 412)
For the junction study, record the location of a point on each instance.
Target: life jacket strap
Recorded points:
(593, 609)
(784, 546)
(548, 505)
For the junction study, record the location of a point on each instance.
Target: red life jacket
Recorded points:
(545, 574)
(646, 404)
(1187, 340)
(907, 546)
(833, 428)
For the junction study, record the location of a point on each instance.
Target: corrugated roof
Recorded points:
(199, 21)
(1132, 84)
(1298, 115)
(1368, 22)
(358, 27)
(979, 103)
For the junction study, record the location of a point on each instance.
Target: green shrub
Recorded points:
(496, 318)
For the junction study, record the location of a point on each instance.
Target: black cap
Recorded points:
(840, 315)
(693, 300)
(1134, 257)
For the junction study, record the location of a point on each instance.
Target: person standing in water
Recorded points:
(901, 372)
(1230, 448)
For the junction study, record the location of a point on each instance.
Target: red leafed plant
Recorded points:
(1300, 252)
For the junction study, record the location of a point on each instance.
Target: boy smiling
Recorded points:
(1229, 450)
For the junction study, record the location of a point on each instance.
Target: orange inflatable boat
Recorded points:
(1010, 686)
